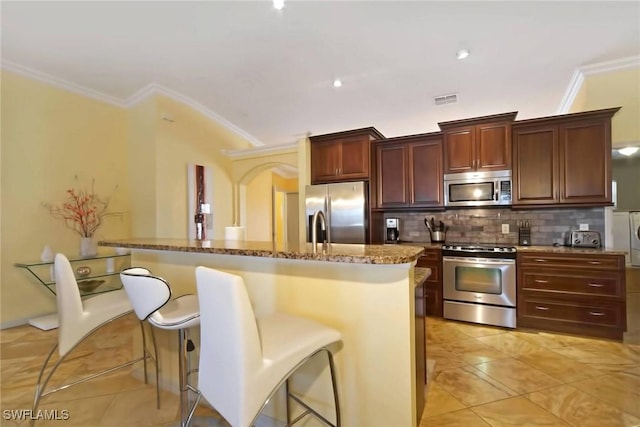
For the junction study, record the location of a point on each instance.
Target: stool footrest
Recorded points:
(309, 410)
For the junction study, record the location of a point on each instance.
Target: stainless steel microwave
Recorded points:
(478, 188)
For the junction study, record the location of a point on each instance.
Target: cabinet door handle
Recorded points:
(539, 307)
(541, 281)
(596, 313)
(596, 285)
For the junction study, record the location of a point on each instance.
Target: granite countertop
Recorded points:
(423, 244)
(355, 254)
(569, 250)
(421, 274)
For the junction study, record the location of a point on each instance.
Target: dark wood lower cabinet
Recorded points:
(421, 352)
(432, 259)
(582, 294)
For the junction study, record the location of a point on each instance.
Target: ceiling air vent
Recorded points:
(446, 99)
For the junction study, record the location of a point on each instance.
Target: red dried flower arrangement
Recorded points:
(83, 211)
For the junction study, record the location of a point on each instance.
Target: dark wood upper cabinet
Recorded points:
(425, 173)
(342, 156)
(478, 144)
(585, 159)
(392, 174)
(409, 171)
(535, 162)
(563, 160)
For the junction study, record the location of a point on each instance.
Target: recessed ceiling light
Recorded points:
(462, 53)
(337, 83)
(628, 151)
(278, 4)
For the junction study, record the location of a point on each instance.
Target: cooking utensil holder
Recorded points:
(524, 237)
(437, 236)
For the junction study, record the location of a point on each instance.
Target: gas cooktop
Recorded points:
(482, 248)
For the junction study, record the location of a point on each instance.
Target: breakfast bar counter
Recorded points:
(364, 291)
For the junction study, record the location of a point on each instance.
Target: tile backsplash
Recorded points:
(548, 226)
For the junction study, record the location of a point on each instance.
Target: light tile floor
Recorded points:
(117, 399)
(487, 376)
(483, 376)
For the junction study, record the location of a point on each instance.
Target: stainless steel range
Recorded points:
(479, 283)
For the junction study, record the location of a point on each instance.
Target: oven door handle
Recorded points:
(468, 260)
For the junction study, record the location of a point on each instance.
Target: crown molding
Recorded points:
(61, 83)
(616, 65)
(261, 151)
(142, 94)
(157, 89)
(575, 84)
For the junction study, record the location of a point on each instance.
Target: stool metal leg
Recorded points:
(146, 354)
(182, 372)
(308, 409)
(286, 401)
(334, 383)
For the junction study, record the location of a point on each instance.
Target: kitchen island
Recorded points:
(364, 291)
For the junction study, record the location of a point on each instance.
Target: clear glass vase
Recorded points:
(88, 247)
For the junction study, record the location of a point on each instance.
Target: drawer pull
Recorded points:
(595, 262)
(596, 313)
(540, 260)
(539, 307)
(596, 285)
(541, 281)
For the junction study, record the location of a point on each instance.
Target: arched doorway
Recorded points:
(268, 204)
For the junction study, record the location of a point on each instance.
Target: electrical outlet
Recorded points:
(505, 228)
(584, 227)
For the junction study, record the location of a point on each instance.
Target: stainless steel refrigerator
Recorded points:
(345, 207)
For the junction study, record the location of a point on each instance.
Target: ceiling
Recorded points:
(268, 73)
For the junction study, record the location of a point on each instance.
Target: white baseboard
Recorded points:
(13, 323)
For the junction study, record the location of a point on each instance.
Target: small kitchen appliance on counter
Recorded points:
(392, 230)
(584, 239)
(524, 233)
(437, 232)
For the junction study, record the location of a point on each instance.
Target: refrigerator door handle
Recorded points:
(327, 209)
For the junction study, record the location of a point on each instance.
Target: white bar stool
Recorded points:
(77, 320)
(243, 359)
(151, 300)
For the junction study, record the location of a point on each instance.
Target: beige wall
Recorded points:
(615, 89)
(580, 101)
(282, 186)
(258, 214)
(48, 137)
(142, 120)
(190, 138)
